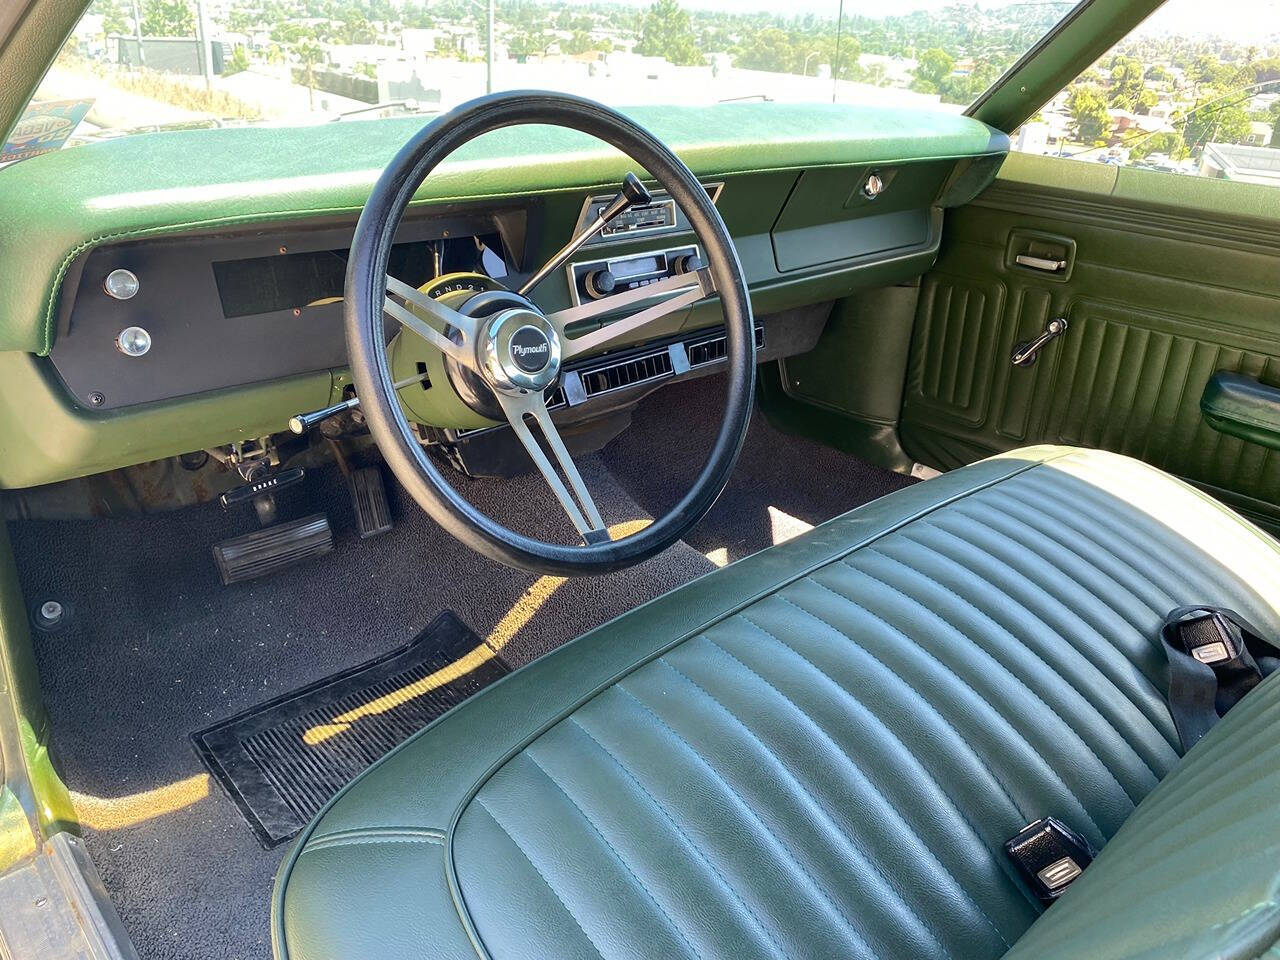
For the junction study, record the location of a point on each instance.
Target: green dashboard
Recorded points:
(789, 182)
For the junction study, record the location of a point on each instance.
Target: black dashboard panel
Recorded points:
(228, 310)
(263, 304)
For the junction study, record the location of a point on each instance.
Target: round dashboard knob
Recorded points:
(121, 284)
(686, 263)
(133, 341)
(600, 283)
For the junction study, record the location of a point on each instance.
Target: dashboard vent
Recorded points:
(714, 348)
(635, 370)
(626, 373)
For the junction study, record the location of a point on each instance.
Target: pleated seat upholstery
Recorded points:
(817, 752)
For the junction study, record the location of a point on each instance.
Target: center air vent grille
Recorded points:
(635, 369)
(626, 373)
(654, 366)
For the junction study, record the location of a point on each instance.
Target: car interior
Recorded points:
(537, 528)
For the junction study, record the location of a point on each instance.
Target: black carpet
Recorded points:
(156, 648)
(668, 442)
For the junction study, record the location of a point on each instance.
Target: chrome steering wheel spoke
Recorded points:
(441, 317)
(582, 511)
(687, 289)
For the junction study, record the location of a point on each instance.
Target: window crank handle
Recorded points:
(1028, 351)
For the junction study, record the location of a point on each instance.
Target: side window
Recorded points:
(1191, 91)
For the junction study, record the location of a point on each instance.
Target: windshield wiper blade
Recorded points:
(409, 104)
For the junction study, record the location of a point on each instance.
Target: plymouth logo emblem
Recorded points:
(530, 349)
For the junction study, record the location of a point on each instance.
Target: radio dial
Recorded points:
(686, 263)
(600, 283)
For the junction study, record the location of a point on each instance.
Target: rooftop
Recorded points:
(1231, 161)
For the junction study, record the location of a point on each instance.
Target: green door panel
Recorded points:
(1159, 298)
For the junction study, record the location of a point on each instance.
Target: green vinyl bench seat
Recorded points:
(821, 750)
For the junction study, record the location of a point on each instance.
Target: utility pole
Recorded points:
(137, 29)
(835, 67)
(488, 75)
(206, 44)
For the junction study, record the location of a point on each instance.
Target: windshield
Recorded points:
(135, 66)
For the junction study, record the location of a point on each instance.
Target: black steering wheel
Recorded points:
(516, 351)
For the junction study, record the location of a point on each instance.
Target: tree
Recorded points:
(932, 68)
(1275, 126)
(1090, 121)
(768, 49)
(238, 63)
(1264, 71)
(309, 55)
(525, 43)
(582, 42)
(354, 28)
(966, 87)
(1126, 83)
(850, 50)
(115, 18)
(1168, 143)
(1215, 122)
(169, 18)
(1208, 71)
(666, 31)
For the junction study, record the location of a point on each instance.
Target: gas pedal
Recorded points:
(369, 500)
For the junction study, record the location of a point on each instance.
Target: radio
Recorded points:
(598, 279)
(660, 215)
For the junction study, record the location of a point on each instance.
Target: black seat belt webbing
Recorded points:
(1211, 666)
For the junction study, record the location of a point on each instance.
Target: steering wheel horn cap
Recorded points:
(530, 349)
(520, 351)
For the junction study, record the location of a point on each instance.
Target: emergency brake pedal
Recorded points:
(369, 500)
(272, 549)
(262, 491)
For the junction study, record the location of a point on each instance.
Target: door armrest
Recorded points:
(1242, 407)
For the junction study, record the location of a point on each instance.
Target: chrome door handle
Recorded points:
(1040, 263)
(1026, 353)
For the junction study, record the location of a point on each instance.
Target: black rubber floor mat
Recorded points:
(281, 761)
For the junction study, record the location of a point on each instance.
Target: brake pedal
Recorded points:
(369, 499)
(272, 549)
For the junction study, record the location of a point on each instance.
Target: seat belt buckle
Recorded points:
(1211, 638)
(1050, 856)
